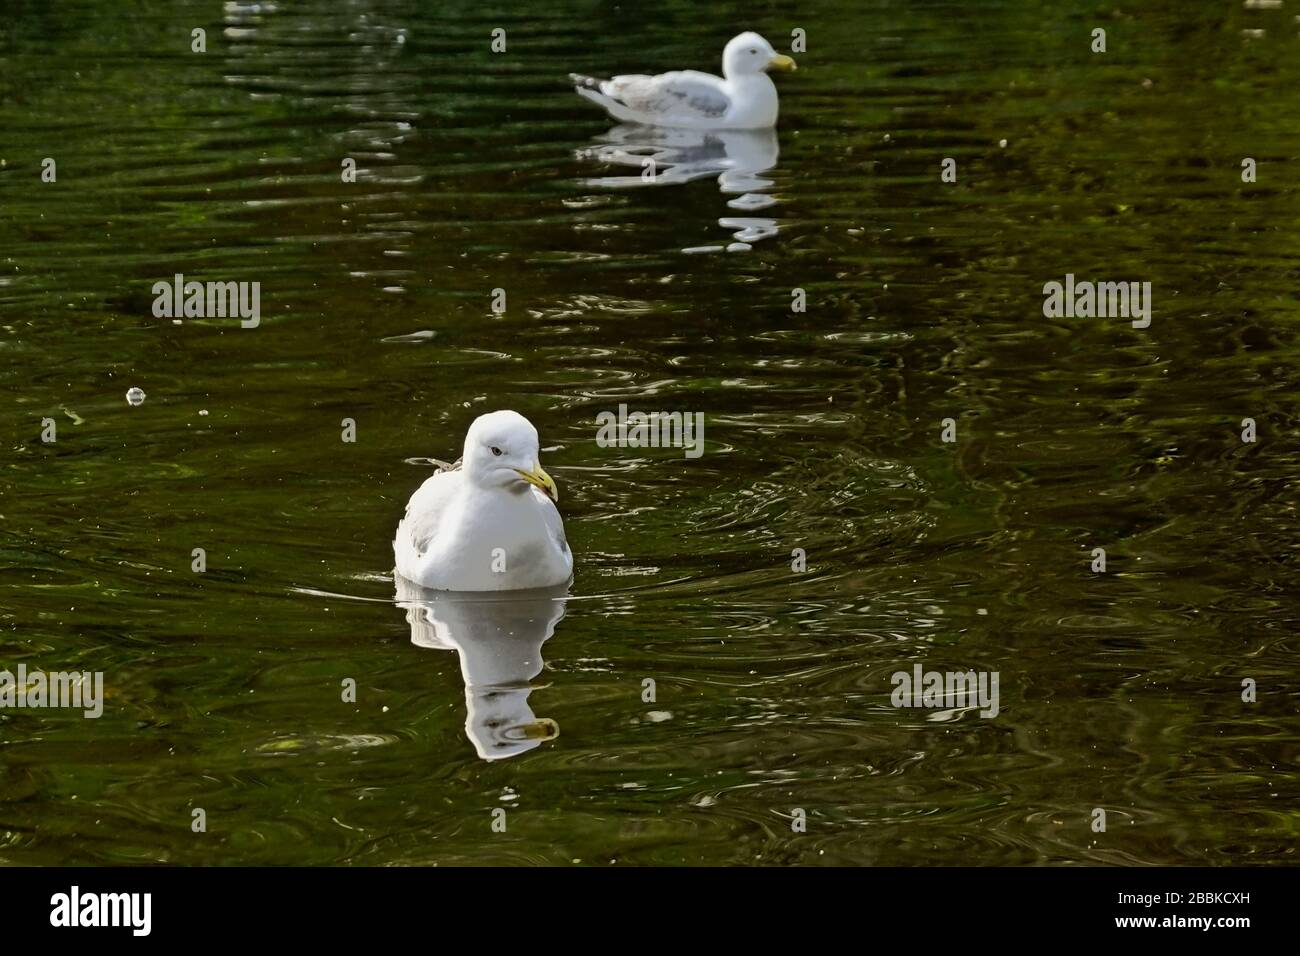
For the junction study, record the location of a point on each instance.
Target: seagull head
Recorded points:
(501, 451)
(749, 54)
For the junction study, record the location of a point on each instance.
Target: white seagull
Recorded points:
(488, 522)
(744, 97)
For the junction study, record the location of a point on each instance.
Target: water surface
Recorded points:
(481, 171)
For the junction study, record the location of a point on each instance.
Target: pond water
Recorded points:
(923, 301)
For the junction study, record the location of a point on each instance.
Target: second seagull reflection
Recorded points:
(737, 159)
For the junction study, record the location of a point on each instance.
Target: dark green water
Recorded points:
(1119, 690)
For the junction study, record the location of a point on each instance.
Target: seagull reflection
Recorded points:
(499, 637)
(667, 157)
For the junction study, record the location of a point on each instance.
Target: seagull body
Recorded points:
(488, 523)
(744, 97)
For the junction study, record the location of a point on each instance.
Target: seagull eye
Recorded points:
(496, 451)
(753, 53)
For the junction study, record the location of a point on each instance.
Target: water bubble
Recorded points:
(135, 396)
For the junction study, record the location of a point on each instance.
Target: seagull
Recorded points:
(743, 98)
(488, 522)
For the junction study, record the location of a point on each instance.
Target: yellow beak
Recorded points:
(539, 478)
(543, 728)
(782, 62)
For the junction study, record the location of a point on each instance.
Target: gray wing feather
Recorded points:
(424, 510)
(681, 93)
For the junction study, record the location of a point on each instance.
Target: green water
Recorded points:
(479, 171)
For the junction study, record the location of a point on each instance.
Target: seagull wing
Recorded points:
(682, 96)
(424, 511)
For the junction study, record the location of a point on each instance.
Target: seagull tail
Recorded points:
(597, 90)
(610, 105)
(582, 81)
